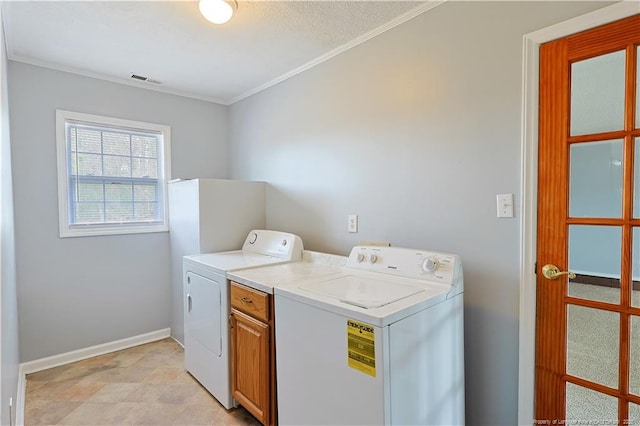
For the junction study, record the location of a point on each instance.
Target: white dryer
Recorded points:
(379, 344)
(207, 305)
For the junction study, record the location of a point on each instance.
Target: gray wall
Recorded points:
(78, 292)
(416, 131)
(9, 356)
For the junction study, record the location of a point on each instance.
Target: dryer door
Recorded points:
(203, 313)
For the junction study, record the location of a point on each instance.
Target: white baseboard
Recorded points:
(178, 342)
(105, 348)
(77, 355)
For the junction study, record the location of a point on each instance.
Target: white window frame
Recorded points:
(164, 157)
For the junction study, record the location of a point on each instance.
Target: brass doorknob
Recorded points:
(551, 272)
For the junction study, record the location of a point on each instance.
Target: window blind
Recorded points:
(113, 175)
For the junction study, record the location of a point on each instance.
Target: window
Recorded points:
(112, 175)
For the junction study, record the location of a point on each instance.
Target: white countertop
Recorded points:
(312, 265)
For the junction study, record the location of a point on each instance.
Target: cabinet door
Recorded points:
(250, 363)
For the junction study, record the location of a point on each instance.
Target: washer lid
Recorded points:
(364, 292)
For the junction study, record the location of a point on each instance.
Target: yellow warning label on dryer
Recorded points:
(361, 347)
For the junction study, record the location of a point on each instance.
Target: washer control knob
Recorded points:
(283, 243)
(360, 257)
(430, 265)
(373, 258)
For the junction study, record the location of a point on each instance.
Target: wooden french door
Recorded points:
(588, 322)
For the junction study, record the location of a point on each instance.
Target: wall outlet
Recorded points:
(352, 225)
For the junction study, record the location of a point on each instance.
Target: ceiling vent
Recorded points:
(143, 78)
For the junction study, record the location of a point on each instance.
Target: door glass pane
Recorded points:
(636, 184)
(594, 256)
(597, 94)
(593, 344)
(638, 87)
(588, 405)
(595, 186)
(634, 372)
(634, 414)
(635, 274)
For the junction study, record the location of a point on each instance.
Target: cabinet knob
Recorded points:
(246, 300)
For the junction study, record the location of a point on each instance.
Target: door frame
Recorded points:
(529, 186)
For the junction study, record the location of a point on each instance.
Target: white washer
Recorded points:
(207, 306)
(381, 343)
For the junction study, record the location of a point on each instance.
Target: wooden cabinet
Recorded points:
(253, 352)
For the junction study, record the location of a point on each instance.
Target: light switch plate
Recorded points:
(505, 205)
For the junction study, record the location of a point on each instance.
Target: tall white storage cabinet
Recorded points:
(205, 216)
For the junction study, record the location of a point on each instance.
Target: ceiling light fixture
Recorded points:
(217, 11)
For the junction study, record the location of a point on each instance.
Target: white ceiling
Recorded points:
(169, 41)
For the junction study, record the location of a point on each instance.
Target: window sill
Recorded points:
(93, 231)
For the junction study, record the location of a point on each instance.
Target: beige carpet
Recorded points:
(592, 353)
(144, 385)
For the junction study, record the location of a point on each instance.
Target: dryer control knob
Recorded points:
(430, 265)
(253, 239)
(360, 257)
(373, 258)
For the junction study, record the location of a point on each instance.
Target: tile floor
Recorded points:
(143, 385)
